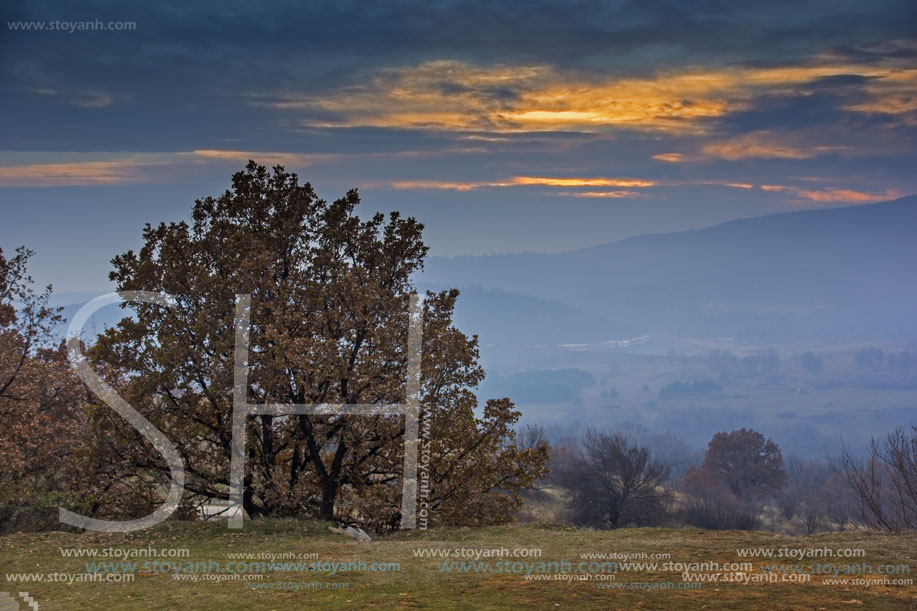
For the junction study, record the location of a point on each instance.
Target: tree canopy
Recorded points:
(329, 320)
(745, 462)
(42, 407)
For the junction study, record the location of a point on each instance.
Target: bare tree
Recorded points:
(615, 483)
(805, 495)
(885, 483)
(840, 501)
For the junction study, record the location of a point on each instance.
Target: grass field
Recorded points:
(336, 580)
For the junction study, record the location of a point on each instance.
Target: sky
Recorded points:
(533, 125)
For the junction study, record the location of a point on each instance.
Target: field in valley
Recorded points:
(805, 412)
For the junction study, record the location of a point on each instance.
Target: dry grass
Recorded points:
(422, 584)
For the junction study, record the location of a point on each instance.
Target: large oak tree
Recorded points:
(329, 320)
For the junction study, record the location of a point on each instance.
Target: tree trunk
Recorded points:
(329, 492)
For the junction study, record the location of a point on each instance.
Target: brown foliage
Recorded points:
(747, 464)
(42, 407)
(740, 469)
(329, 324)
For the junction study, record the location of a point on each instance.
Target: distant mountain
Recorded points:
(833, 274)
(830, 274)
(508, 319)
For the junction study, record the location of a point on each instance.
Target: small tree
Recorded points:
(805, 494)
(615, 483)
(746, 463)
(812, 362)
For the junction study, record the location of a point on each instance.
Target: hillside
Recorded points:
(831, 274)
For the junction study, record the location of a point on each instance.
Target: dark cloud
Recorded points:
(258, 44)
(789, 112)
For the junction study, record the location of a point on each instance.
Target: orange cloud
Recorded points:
(755, 145)
(445, 185)
(734, 185)
(53, 169)
(893, 94)
(765, 145)
(582, 182)
(264, 157)
(80, 173)
(834, 195)
(455, 95)
(672, 157)
(602, 194)
(90, 169)
(522, 181)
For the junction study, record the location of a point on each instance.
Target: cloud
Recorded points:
(895, 94)
(88, 169)
(80, 173)
(523, 181)
(265, 157)
(834, 195)
(77, 98)
(55, 168)
(673, 157)
(93, 169)
(602, 194)
(444, 185)
(582, 182)
(454, 95)
(626, 186)
(91, 100)
(721, 183)
(763, 145)
(460, 96)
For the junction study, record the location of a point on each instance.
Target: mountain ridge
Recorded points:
(852, 263)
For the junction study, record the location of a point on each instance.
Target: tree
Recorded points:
(677, 390)
(42, 406)
(747, 464)
(709, 503)
(615, 482)
(329, 318)
(806, 494)
(812, 362)
(884, 484)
